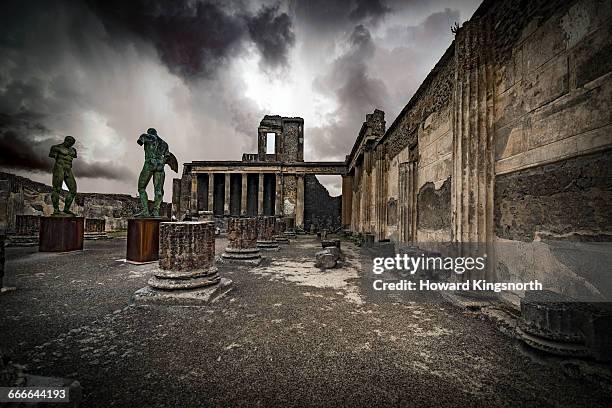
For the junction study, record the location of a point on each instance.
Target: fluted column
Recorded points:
(473, 111)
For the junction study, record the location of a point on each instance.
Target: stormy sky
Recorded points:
(203, 73)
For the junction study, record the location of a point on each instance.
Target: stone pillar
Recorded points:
(186, 256)
(278, 210)
(473, 115)
(347, 200)
(244, 195)
(260, 194)
(242, 237)
(280, 227)
(226, 202)
(265, 233)
(194, 193)
(211, 191)
(299, 202)
(187, 274)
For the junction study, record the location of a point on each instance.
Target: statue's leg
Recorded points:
(72, 190)
(143, 180)
(57, 180)
(158, 183)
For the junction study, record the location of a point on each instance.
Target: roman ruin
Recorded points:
(267, 183)
(465, 263)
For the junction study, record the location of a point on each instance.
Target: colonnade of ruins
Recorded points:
(235, 193)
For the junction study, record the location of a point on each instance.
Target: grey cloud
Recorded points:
(357, 93)
(272, 32)
(195, 38)
(25, 144)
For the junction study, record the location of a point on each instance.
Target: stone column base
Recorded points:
(282, 239)
(248, 256)
(268, 245)
(181, 280)
(202, 296)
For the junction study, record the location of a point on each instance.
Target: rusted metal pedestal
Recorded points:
(61, 234)
(143, 240)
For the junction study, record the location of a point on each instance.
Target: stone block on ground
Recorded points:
(330, 243)
(326, 259)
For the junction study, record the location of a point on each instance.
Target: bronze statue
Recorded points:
(63, 154)
(156, 156)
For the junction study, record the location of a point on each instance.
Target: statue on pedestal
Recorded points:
(63, 154)
(157, 155)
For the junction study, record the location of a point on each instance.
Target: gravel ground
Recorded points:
(287, 335)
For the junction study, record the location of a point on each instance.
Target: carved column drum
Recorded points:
(242, 237)
(186, 256)
(265, 233)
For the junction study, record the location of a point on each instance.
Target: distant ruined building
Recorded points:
(275, 181)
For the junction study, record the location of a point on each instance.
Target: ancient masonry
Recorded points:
(23, 202)
(266, 233)
(263, 183)
(507, 142)
(242, 241)
(187, 273)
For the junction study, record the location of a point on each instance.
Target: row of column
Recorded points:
(277, 194)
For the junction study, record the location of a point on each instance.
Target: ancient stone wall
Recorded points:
(320, 208)
(507, 141)
(27, 197)
(27, 225)
(95, 225)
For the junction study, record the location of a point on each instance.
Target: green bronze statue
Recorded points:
(63, 154)
(156, 156)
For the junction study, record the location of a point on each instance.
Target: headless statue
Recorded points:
(63, 154)
(157, 155)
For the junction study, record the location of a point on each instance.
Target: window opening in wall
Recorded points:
(270, 143)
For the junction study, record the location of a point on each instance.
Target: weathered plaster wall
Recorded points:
(554, 93)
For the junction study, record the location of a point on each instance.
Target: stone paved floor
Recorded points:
(288, 335)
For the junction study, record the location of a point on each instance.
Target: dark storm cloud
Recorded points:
(197, 37)
(25, 144)
(272, 34)
(369, 10)
(19, 149)
(324, 16)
